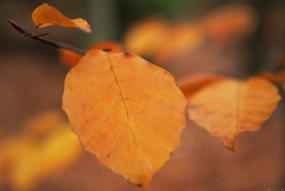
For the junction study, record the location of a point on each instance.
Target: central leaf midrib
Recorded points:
(121, 96)
(240, 88)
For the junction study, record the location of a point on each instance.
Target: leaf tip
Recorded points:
(230, 145)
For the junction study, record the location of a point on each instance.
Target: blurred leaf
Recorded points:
(229, 22)
(46, 146)
(194, 83)
(59, 150)
(164, 41)
(44, 123)
(147, 37)
(275, 77)
(229, 107)
(68, 57)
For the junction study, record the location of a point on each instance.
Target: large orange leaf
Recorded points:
(46, 15)
(229, 107)
(126, 111)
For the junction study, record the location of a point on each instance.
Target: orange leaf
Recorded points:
(191, 85)
(46, 15)
(182, 39)
(229, 22)
(275, 77)
(126, 111)
(229, 107)
(69, 57)
(146, 37)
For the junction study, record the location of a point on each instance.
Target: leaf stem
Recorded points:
(39, 38)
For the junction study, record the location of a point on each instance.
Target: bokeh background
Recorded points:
(31, 82)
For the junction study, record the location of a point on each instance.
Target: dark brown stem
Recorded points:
(39, 37)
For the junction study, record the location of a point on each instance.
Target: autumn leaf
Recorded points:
(68, 57)
(46, 15)
(29, 156)
(184, 37)
(192, 84)
(228, 107)
(229, 22)
(59, 150)
(146, 37)
(275, 77)
(162, 40)
(44, 123)
(126, 111)
(10, 150)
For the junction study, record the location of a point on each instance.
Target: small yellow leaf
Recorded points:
(11, 149)
(44, 123)
(229, 107)
(46, 15)
(46, 146)
(126, 111)
(57, 151)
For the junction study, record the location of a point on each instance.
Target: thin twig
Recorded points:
(38, 37)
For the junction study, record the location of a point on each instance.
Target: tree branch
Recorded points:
(39, 37)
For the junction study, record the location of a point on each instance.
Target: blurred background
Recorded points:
(187, 37)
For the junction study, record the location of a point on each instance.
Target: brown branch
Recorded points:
(38, 37)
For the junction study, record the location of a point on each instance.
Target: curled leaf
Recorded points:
(229, 107)
(126, 111)
(46, 15)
